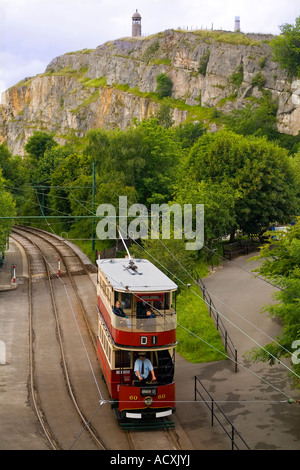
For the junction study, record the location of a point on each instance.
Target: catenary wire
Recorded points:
(181, 282)
(293, 372)
(240, 316)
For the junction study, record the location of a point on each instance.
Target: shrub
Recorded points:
(237, 76)
(259, 80)
(204, 62)
(164, 85)
(286, 48)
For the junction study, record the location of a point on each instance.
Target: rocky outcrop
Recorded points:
(116, 82)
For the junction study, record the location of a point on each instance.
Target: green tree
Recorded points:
(15, 173)
(164, 85)
(161, 154)
(286, 48)
(61, 182)
(144, 156)
(171, 255)
(256, 118)
(280, 262)
(187, 134)
(7, 209)
(258, 172)
(38, 143)
(164, 114)
(219, 205)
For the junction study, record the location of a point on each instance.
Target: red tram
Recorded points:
(139, 287)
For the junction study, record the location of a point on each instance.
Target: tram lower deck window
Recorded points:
(122, 358)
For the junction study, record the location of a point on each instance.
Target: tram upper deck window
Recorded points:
(125, 298)
(159, 301)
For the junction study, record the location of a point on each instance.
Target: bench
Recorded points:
(234, 249)
(240, 247)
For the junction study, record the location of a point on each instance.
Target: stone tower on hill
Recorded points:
(136, 24)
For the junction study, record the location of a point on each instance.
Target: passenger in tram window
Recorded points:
(143, 369)
(149, 323)
(120, 313)
(150, 313)
(118, 309)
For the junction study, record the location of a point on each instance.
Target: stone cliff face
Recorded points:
(111, 85)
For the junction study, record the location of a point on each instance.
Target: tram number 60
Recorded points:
(135, 397)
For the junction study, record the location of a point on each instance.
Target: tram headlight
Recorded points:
(148, 401)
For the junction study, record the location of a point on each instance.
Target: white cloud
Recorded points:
(33, 32)
(14, 68)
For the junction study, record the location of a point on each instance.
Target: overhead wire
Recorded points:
(219, 313)
(224, 317)
(293, 372)
(213, 347)
(250, 272)
(193, 292)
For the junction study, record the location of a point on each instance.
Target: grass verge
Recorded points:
(202, 342)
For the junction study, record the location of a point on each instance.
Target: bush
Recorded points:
(164, 85)
(286, 48)
(238, 75)
(204, 62)
(259, 80)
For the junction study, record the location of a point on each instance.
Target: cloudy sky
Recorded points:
(33, 32)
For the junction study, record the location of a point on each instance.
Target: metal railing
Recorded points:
(237, 441)
(226, 339)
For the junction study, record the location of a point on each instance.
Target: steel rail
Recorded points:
(33, 389)
(64, 362)
(170, 433)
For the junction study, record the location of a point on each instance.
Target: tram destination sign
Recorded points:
(148, 391)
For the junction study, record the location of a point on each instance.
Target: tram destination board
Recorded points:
(148, 391)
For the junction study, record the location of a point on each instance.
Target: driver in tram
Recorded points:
(143, 369)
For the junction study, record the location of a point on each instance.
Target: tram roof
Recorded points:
(135, 275)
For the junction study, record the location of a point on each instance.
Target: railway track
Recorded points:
(59, 408)
(63, 326)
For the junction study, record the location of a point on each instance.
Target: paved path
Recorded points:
(255, 397)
